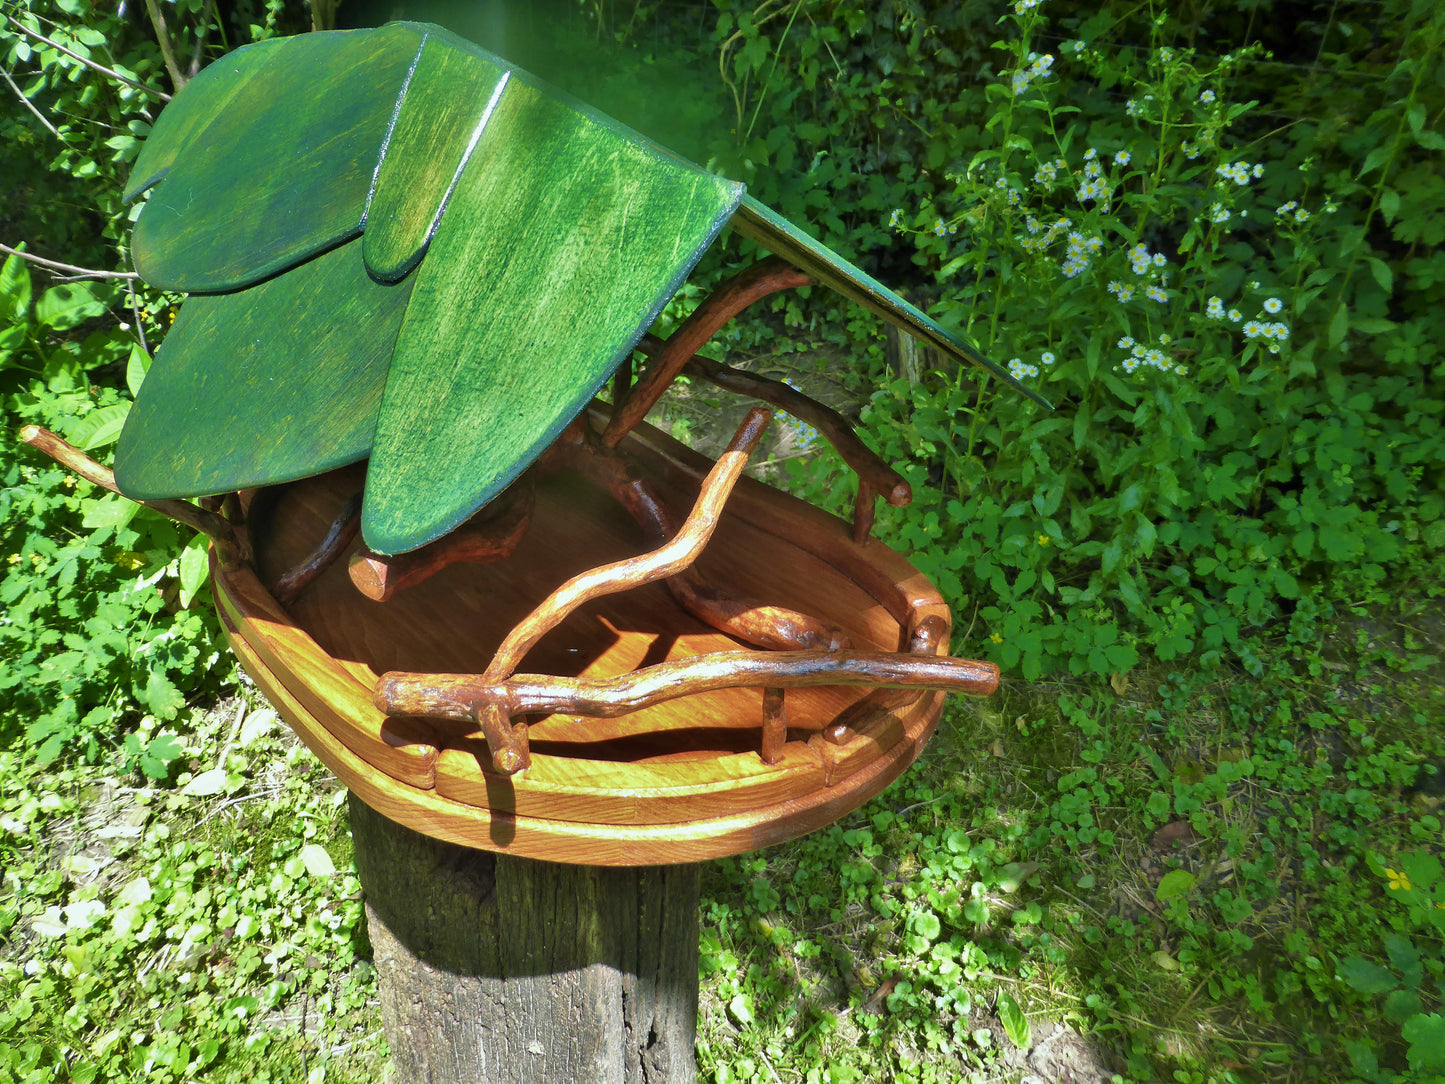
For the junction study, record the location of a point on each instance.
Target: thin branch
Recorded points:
(41, 117)
(203, 31)
(765, 277)
(168, 50)
(461, 697)
(230, 547)
(610, 579)
(69, 269)
(109, 73)
(140, 330)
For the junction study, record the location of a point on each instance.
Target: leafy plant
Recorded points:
(1413, 983)
(88, 632)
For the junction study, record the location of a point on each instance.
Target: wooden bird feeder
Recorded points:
(510, 617)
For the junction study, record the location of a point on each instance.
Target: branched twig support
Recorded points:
(508, 742)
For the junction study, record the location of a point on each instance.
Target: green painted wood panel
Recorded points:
(560, 245)
(269, 384)
(770, 230)
(186, 116)
(285, 171)
(448, 99)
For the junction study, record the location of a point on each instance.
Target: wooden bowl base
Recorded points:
(679, 781)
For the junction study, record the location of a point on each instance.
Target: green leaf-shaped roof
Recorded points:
(514, 248)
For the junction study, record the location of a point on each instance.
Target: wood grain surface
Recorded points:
(426, 811)
(284, 172)
(449, 96)
(685, 780)
(332, 696)
(305, 361)
(559, 247)
(184, 120)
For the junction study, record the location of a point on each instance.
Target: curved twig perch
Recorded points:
(758, 281)
(230, 545)
(619, 576)
(838, 431)
(750, 620)
(464, 697)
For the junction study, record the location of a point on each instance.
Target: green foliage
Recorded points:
(96, 589)
(1189, 874)
(99, 634)
(1412, 982)
(1237, 320)
(1193, 870)
(187, 940)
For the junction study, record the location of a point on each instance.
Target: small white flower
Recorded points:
(1125, 343)
(1206, 96)
(1273, 305)
(1154, 293)
(1122, 158)
(1235, 316)
(1047, 357)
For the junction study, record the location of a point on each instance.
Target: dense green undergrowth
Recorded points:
(1200, 829)
(1194, 877)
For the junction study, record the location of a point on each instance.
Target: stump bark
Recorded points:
(507, 970)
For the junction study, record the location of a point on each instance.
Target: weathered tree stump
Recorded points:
(506, 970)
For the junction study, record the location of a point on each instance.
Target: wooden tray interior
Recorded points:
(453, 622)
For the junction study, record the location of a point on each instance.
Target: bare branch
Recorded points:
(668, 560)
(69, 269)
(203, 31)
(140, 330)
(168, 50)
(109, 73)
(41, 117)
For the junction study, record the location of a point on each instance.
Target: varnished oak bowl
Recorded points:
(681, 781)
